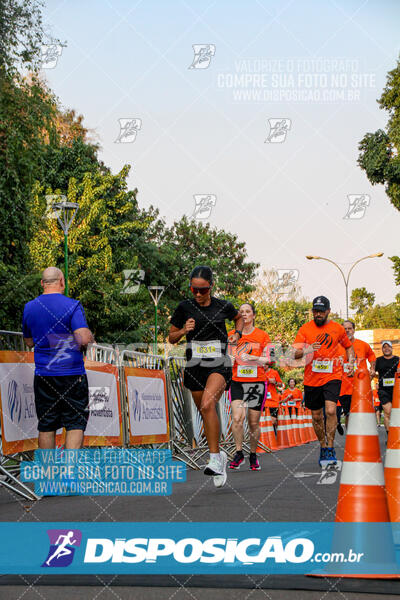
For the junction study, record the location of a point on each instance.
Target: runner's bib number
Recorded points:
(245, 371)
(206, 349)
(291, 403)
(268, 395)
(347, 368)
(322, 366)
(388, 382)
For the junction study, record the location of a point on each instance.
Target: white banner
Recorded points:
(18, 403)
(103, 404)
(146, 398)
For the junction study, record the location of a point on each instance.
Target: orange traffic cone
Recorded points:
(362, 497)
(270, 431)
(289, 427)
(296, 426)
(311, 432)
(392, 459)
(302, 424)
(281, 433)
(264, 438)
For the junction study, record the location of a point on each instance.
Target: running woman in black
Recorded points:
(208, 370)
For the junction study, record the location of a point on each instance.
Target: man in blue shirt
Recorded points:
(56, 327)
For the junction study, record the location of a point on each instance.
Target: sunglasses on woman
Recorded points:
(199, 290)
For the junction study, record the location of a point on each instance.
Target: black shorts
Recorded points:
(315, 396)
(345, 401)
(378, 408)
(61, 401)
(385, 396)
(273, 411)
(253, 393)
(195, 378)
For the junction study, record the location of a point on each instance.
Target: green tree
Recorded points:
(361, 299)
(282, 320)
(381, 317)
(21, 33)
(27, 125)
(189, 243)
(104, 242)
(379, 151)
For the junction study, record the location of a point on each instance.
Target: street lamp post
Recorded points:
(68, 212)
(155, 292)
(346, 278)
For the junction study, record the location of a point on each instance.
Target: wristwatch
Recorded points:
(238, 332)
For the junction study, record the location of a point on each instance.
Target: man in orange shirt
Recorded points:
(275, 385)
(292, 395)
(318, 342)
(363, 351)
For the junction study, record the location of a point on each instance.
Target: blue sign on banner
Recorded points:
(200, 548)
(103, 472)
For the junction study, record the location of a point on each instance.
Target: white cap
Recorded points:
(388, 342)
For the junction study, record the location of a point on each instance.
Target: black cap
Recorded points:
(321, 303)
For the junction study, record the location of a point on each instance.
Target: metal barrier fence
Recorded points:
(187, 438)
(10, 465)
(104, 354)
(12, 340)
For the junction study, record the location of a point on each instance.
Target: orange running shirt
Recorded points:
(375, 397)
(295, 399)
(272, 399)
(324, 364)
(362, 351)
(250, 343)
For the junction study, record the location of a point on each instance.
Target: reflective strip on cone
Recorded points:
(361, 424)
(392, 459)
(395, 417)
(362, 473)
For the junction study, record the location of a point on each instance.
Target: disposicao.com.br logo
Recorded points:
(247, 551)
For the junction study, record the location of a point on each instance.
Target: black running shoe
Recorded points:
(238, 459)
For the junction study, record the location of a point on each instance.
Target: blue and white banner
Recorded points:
(200, 548)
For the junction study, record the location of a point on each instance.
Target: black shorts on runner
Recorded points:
(251, 392)
(315, 396)
(61, 401)
(345, 401)
(195, 378)
(385, 396)
(378, 408)
(273, 411)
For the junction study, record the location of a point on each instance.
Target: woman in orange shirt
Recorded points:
(292, 395)
(248, 385)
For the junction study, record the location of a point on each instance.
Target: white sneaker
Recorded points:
(220, 480)
(214, 466)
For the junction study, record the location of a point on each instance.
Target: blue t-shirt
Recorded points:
(51, 319)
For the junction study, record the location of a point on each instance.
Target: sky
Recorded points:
(255, 107)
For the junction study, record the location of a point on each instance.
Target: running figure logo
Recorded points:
(204, 204)
(287, 280)
(252, 392)
(278, 129)
(358, 204)
(63, 543)
(128, 129)
(203, 54)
